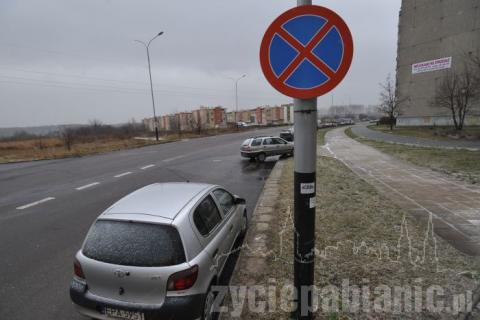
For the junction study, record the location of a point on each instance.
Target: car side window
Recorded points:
(206, 216)
(267, 141)
(256, 142)
(278, 141)
(225, 200)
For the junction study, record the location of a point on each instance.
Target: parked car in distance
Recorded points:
(287, 135)
(242, 124)
(323, 125)
(156, 253)
(346, 122)
(262, 147)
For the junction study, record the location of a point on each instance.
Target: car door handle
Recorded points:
(215, 253)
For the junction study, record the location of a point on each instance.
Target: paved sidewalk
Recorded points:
(363, 131)
(453, 205)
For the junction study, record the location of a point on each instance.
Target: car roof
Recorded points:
(163, 200)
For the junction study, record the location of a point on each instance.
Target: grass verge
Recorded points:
(462, 164)
(321, 135)
(361, 238)
(52, 148)
(435, 133)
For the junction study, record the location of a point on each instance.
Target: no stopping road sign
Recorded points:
(306, 52)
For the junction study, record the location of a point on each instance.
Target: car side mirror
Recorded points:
(239, 200)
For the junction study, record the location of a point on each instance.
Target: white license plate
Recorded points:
(123, 314)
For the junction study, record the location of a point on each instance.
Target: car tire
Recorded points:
(244, 229)
(207, 313)
(261, 157)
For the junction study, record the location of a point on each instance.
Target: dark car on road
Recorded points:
(262, 147)
(287, 135)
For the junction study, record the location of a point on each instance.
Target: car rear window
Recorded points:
(134, 244)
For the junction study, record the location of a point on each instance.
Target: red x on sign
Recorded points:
(306, 52)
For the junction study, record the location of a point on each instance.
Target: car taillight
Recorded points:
(183, 280)
(77, 270)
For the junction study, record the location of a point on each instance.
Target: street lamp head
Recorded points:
(160, 33)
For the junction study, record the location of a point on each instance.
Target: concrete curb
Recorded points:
(251, 263)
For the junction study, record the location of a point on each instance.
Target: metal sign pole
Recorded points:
(304, 199)
(303, 56)
(305, 120)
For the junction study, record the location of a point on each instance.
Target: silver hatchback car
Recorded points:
(156, 253)
(262, 147)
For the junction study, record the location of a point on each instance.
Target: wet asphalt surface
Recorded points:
(37, 243)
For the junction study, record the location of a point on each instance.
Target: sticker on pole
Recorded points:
(306, 52)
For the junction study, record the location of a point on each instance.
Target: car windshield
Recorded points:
(134, 244)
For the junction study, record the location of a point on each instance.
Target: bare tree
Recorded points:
(95, 123)
(457, 92)
(68, 137)
(390, 104)
(474, 59)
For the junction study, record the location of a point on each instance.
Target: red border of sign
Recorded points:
(337, 22)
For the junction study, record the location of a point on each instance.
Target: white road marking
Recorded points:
(35, 203)
(475, 222)
(147, 167)
(122, 174)
(87, 186)
(174, 158)
(217, 160)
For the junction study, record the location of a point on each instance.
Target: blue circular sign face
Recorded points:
(306, 52)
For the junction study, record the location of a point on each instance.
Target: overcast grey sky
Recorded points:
(70, 61)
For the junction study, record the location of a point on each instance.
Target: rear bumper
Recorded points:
(185, 307)
(249, 154)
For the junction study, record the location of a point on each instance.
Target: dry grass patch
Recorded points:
(53, 148)
(462, 164)
(361, 237)
(435, 133)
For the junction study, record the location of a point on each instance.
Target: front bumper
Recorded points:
(184, 308)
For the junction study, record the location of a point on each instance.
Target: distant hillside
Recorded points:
(40, 130)
(44, 130)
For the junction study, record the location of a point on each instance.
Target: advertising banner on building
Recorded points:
(432, 65)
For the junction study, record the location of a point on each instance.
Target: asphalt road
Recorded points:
(47, 207)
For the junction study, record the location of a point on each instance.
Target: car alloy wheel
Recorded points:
(261, 157)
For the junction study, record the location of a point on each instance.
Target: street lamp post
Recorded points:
(236, 93)
(147, 46)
